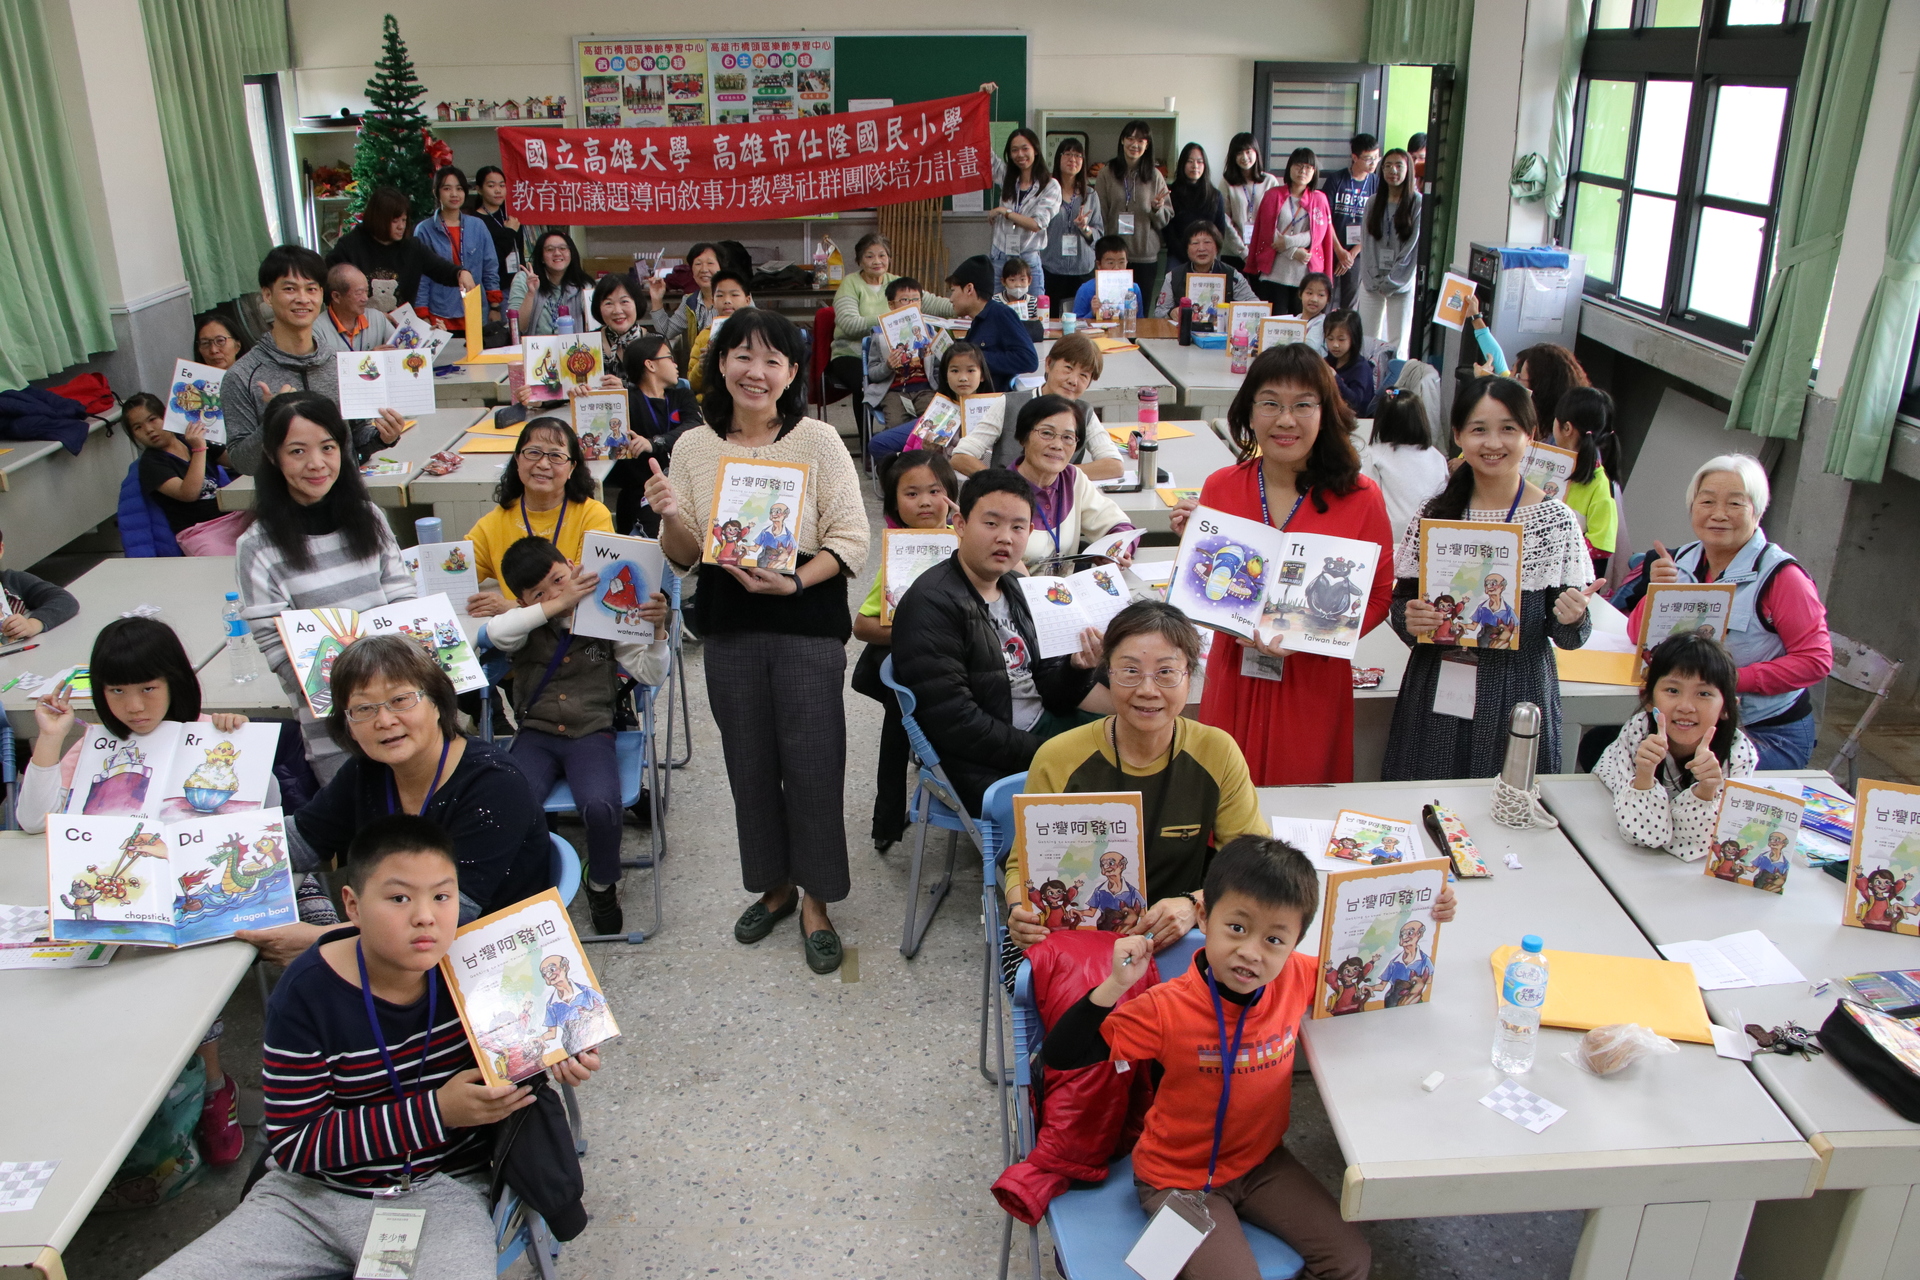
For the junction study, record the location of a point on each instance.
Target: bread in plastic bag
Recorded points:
(1606, 1050)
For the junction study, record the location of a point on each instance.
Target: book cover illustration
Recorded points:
(1208, 293)
(1470, 572)
(630, 571)
(315, 639)
(1078, 859)
(985, 410)
(1243, 321)
(1110, 294)
(1675, 607)
(905, 554)
(1279, 331)
(1885, 866)
(1450, 309)
(370, 381)
(1376, 841)
(526, 994)
(1754, 830)
(1222, 571)
(1378, 937)
(756, 507)
(146, 883)
(558, 365)
(1549, 469)
(603, 415)
(1064, 607)
(905, 330)
(194, 400)
(177, 771)
(938, 427)
(442, 568)
(1318, 593)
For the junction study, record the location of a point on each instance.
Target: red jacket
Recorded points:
(1319, 223)
(1090, 1116)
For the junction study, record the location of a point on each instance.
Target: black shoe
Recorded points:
(756, 922)
(883, 843)
(823, 951)
(603, 908)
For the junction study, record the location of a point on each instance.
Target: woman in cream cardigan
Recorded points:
(1069, 510)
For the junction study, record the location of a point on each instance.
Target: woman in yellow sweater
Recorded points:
(546, 493)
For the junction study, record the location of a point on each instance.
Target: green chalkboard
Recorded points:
(918, 68)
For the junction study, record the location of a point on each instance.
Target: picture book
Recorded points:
(1470, 571)
(316, 637)
(986, 410)
(905, 330)
(1378, 937)
(1451, 307)
(374, 380)
(1208, 293)
(939, 426)
(443, 569)
(385, 466)
(1884, 870)
(526, 994)
(194, 400)
(1887, 989)
(630, 571)
(1110, 294)
(1174, 497)
(905, 554)
(177, 771)
(1078, 858)
(411, 332)
(167, 884)
(1754, 830)
(1363, 837)
(1243, 320)
(1063, 607)
(1222, 571)
(1318, 593)
(559, 365)
(1279, 331)
(1114, 545)
(1673, 607)
(604, 415)
(756, 508)
(1549, 469)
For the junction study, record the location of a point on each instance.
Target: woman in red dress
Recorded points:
(1299, 471)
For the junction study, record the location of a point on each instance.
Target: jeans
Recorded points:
(1784, 746)
(1032, 259)
(592, 770)
(885, 444)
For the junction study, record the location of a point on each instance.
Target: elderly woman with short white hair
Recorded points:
(1778, 628)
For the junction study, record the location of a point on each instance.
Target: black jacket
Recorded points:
(946, 650)
(404, 262)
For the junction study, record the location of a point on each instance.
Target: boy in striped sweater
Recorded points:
(373, 1098)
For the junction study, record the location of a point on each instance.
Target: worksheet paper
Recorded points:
(1747, 959)
(374, 380)
(1063, 607)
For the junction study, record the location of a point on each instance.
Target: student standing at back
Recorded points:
(1135, 201)
(461, 237)
(1244, 183)
(1068, 257)
(1029, 197)
(996, 330)
(1292, 236)
(1195, 202)
(1389, 244)
(1348, 190)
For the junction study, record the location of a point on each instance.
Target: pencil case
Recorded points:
(1450, 834)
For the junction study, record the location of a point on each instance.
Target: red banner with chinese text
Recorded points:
(746, 172)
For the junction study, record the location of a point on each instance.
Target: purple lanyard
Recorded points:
(1228, 1058)
(393, 794)
(426, 1051)
(557, 520)
(1266, 515)
(1516, 499)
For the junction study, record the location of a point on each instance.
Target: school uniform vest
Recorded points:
(1749, 639)
(579, 699)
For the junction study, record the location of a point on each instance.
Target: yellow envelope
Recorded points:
(474, 301)
(1585, 991)
(1110, 345)
(1173, 497)
(486, 427)
(1168, 431)
(487, 444)
(1595, 666)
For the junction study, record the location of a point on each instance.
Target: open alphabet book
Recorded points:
(630, 571)
(315, 638)
(443, 568)
(1063, 607)
(1305, 591)
(374, 380)
(178, 771)
(526, 994)
(167, 884)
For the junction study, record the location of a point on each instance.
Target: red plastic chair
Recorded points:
(818, 392)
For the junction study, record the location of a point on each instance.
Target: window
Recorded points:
(1682, 123)
(266, 134)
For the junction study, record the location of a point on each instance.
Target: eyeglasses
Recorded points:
(1132, 677)
(1057, 437)
(399, 703)
(1299, 410)
(534, 457)
(214, 343)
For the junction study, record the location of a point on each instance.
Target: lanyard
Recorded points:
(1516, 499)
(546, 677)
(426, 1051)
(1266, 515)
(1228, 1058)
(653, 414)
(1052, 528)
(393, 796)
(557, 520)
(1126, 186)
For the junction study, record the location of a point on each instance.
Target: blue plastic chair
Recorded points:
(518, 1231)
(934, 803)
(996, 830)
(566, 880)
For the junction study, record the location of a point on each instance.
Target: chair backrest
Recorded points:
(566, 869)
(996, 823)
(1856, 665)
(916, 737)
(1178, 958)
(817, 389)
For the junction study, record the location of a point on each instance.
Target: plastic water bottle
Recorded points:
(1129, 317)
(564, 324)
(1148, 413)
(242, 663)
(1069, 320)
(820, 265)
(513, 328)
(1041, 306)
(1237, 359)
(1523, 990)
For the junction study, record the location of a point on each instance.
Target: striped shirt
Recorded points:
(331, 1113)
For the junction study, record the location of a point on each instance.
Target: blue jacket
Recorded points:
(477, 257)
(1004, 337)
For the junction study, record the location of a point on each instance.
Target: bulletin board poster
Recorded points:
(642, 84)
(771, 78)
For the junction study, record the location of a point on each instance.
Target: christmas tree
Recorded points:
(391, 149)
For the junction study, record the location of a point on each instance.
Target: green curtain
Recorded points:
(1418, 32)
(1823, 146)
(1877, 372)
(1560, 149)
(199, 59)
(53, 310)
(262, 28)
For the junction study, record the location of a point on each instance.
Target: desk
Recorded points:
(190, 590)
(430, 434)
(1867, 1153)
(1667, 1159)
(1122, 374)
(1189, 460)
(467, 384)
(462, 497)
(95, 1051)
(1203, 376)
(49, 497)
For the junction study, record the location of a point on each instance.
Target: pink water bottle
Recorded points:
(517, 371)
(1149, 413)
(1237, 360)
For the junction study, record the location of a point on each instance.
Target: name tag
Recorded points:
(1453, 694)
(392, 1245)
(1070, 244)
(1353, 232)
(1124, 224)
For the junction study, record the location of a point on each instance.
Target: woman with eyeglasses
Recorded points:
(1069, 510)
(546, 493)
(663, 408)
(1292, 713)
(216, 341)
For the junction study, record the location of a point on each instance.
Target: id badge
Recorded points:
(1453, 693)
(1124, 224)
(393, 1244)
(1070, 244)
(1353, 233)
(1174, 1232)
(1259, 666)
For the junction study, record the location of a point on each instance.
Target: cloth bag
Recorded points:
(215, 537)
(165, 1160)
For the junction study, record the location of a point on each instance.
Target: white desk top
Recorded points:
(1682, 1127)
(479, 475)
(429, 435)
(1189, 460)
(1863, 1142)
(95, 1052)
(1126, 371)
(23, 453)
(1193, 368)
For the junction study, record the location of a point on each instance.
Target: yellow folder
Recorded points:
(1109, 346)
(472, 303)
(487, 444)
(1585, 991)
(1122, 432)
(1595, 666)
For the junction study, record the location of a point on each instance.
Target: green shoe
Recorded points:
(756, 922)
(823, 951)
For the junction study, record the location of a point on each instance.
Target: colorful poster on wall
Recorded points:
(780, 78)
(642, 84)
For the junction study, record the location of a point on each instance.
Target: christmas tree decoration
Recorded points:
(393, 146)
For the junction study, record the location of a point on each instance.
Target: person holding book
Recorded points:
(1202, 257)
(963, 372)
(1298, 471)
(1222, 1135)
(775, 642)
(1666, 768)
(1292, 235)
(964, 642)
(1069, 509)
(1389, 250)
(1244, 183)
(1195, 202)
(546, 493)
(1492, 427)
(917, 491)
(859, 303)
(353, 323)
(1135, 201)
(995, 329)
(1352, 371)
(1110, 254)
(393, 261)
(565, 691)
(1068, 257)
(372, 1091)
(695, 311)
(460, 237)
(216, 341)
(1029, 197)
(1401, 458)
(552, 281)
(663, 408)
(1316, 290)
(897, 370)
(181, 473)
(1073, 365)
(1583, 425)
(729, 295)
(317, 541)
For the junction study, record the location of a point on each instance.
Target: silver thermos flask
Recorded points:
(1523, 742)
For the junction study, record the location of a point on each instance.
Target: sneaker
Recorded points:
(221, 1137)
(311, 900)
(603, 907)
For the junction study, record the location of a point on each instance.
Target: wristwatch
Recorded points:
(798, 586)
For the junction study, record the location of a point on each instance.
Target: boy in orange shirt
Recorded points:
(1261, 894)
